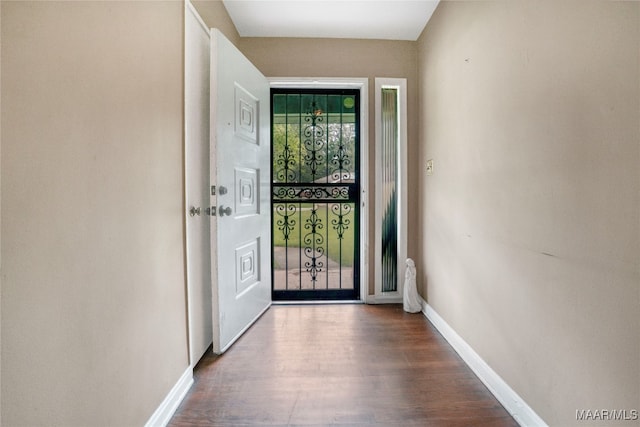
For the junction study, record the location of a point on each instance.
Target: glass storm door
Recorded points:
(315, 199)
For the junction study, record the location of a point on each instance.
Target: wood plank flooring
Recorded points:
(339, 365)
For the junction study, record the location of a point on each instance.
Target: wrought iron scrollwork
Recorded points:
(313, 242)
(341, 222)
(311, 193)
(286, 222)
(286, 162)
(341, 161)
(314, 140)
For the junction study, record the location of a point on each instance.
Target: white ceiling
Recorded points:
(360, 19)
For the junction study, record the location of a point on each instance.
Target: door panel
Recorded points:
(240, 235)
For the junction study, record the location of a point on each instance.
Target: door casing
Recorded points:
(196, 182)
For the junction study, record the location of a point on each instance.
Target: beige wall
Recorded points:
(530, 239)
(214, 15)
(281, 57)
(93, 283)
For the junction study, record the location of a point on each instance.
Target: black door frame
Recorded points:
(325, 193)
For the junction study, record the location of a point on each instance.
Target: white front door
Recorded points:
(240, 172)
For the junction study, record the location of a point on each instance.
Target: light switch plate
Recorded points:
(430, 167)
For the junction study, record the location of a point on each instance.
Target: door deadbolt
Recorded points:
(222, 190)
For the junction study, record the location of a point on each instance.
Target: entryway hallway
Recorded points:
(339, 364)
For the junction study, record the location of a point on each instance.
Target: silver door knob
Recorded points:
(194, 211)
(225, 211)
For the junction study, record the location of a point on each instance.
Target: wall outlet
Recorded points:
(430, 167)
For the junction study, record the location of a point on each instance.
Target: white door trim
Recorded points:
(196, 326)
(401, 85)
(361, 84)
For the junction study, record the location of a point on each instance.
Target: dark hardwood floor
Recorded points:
(328, 365)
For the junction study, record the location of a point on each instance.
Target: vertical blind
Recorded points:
(389, 189)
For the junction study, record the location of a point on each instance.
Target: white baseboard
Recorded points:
(167, 408)
(517, 407)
